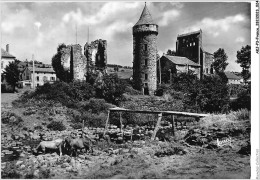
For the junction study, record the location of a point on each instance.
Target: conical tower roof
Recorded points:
(145, 18)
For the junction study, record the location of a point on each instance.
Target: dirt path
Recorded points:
(195, 165)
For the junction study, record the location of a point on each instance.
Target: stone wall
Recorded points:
(207, 61)
(96, 54)
(144, 66)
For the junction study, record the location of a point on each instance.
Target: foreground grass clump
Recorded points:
(235, 122)
(10, 172)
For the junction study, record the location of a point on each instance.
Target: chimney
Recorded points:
(7, 48)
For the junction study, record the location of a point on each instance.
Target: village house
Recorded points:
(233, 79)
(175, 64)
(6, 58)
(42, 76)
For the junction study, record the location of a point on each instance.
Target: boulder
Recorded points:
(35, 137)
(245, 150)
(36, 174)
(65, 165)
(69, 169)
(9, 137)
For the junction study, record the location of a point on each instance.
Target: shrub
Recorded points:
(9, 172)
(243, 100)
(38, 127)
(94, 120)
(76, 125)
(67, 94)
(44, 173)
(168, 150)
(242, 114)
(56, 126)
(201, 95)
(111, 88)
(10, 118)
(131, 91)
(97, 105)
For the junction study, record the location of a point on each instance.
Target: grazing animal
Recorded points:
(53, 145)
(78, 143)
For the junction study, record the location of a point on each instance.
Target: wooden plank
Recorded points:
(173, 131)
(106, 123)
(158, 112)
(157, 126)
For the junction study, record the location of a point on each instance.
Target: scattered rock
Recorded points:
(65, 165)
(36, 174)
(69, 169)
(9, 137)
(18, 163)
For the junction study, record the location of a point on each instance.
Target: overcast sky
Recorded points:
(37, 28)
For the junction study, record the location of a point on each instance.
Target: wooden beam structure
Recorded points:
(160, 114)
(157, 126)
(173, 131)
(106, 123)
(187, 114)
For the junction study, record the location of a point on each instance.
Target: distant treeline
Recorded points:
(119, 66)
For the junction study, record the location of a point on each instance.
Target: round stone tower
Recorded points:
(145, 33)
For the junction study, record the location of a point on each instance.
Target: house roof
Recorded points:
(181, 60)
(232, 76)
(145, 17)
(6, 54)
(187, 34)
(45, 70)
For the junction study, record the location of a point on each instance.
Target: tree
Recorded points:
(220, 60)
(110, 87)
(171, 52)
(244, 59)
(61, 73)
(11, 74)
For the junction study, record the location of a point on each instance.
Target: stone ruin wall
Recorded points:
(94, 57)
(73, 60)
(79, 63)
(65, 57)
(96, 54)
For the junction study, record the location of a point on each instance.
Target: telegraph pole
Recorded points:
(33, 72)
(88, 34)
(76, 33)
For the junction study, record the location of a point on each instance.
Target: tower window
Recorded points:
(146, 62)
(193, 43)
(145, 47)
(146, 76)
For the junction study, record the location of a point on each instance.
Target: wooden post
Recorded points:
(83, 122)
(173, 133)
(120, 118)
(157, 126)
(121, 124)
(106, 123)
(131, 134)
